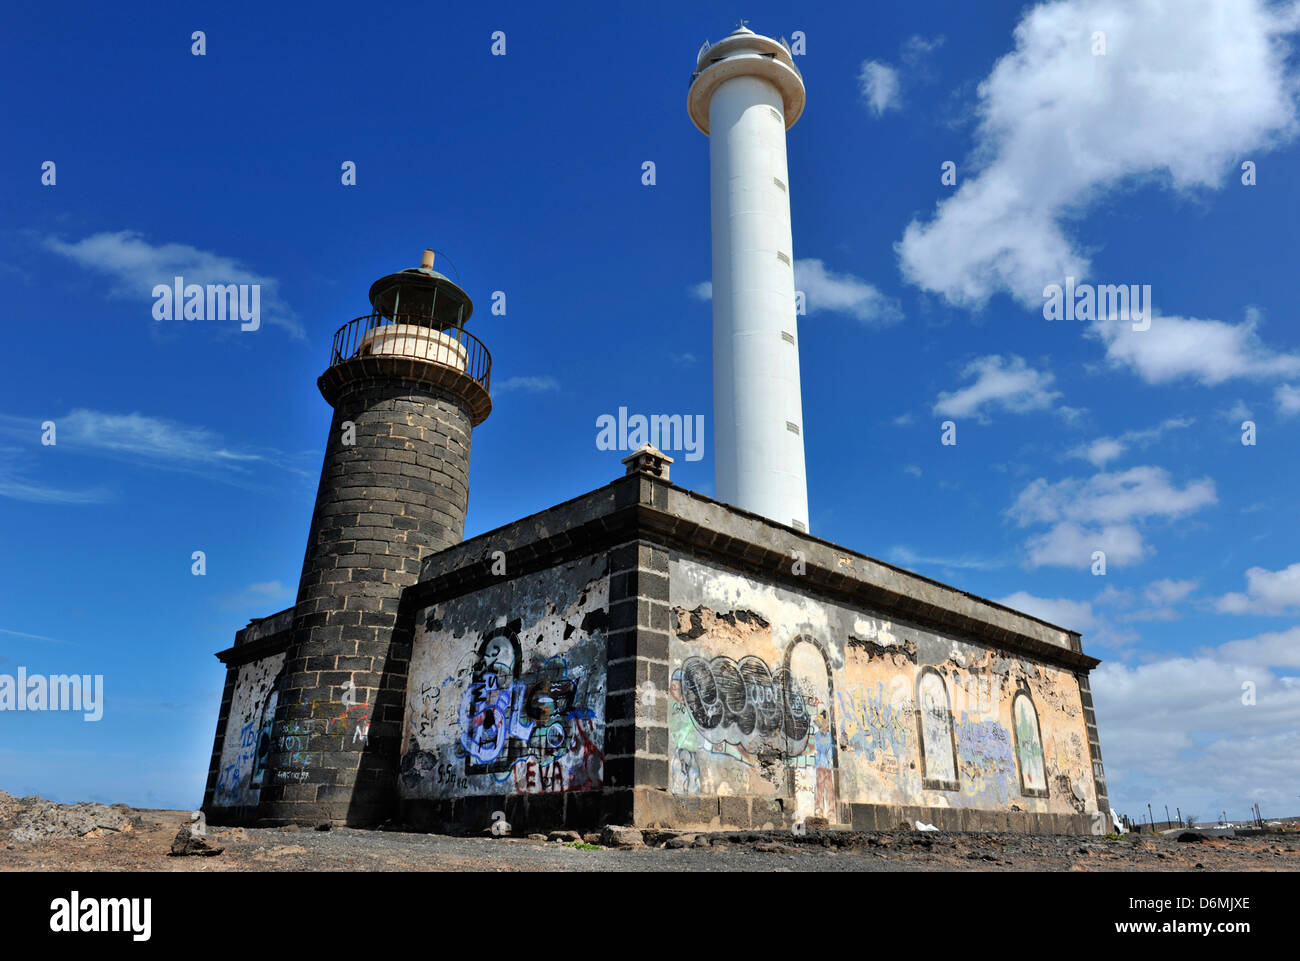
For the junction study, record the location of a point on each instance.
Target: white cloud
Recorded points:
(20, 489)
(149, 437)
(1207, 351)
(916, 51)
(1185, 88)
(1168, 591)
(826, 290)
(879, 85)
(1102, 513)
(1006, 383)
(144, 440)
(1105, 449)
(1267, 592)
(531, 385)
(912, 470)
(1071, 615)
(138, 266)
(1067, 544)
(1159, 597)
(1288, 399)
(906, 557)
(1238, 412)
(1177, 727)
(831, 292)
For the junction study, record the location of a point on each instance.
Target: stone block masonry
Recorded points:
(397, 493)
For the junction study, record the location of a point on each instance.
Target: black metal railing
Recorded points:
(416, 336)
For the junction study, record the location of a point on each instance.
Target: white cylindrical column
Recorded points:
(749, 92)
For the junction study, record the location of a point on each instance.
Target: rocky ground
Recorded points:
(37, 835)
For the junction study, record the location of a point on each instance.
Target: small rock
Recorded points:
(681, 841)
(565, 837)
(234, 834)
(324, 826)
(537, 837)
(187, 842)
(290, 828)
(1191, 837)
(614, 836)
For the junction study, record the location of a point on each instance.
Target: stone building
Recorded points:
(640, 654)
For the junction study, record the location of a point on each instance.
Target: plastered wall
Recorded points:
(774, 694)
(248, 737)
(506, 690)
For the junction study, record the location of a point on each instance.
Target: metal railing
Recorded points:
(416, 336)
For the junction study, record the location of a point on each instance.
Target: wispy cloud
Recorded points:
(261, 592)
(530, 385)
(138, 266)
(1158, 601)
(151, 438)
(1002, 383)
(829, 291)
(842, 293)
(36, 637)
(1105, 449)
(879, 85)
(138, 439)
(906, 557)
(23, 490)
(1288, 399)
(17, 464)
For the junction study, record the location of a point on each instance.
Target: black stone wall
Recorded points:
(384, 503)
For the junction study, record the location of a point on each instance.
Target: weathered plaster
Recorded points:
(782, 695)
(248, 733)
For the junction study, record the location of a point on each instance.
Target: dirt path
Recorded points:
(144, 841)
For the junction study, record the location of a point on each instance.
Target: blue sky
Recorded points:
(924, 305)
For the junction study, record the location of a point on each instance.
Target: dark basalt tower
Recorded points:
(408, 384)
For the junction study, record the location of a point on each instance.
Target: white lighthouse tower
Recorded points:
(745, 93)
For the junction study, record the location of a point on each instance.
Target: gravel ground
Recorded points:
(124, 839)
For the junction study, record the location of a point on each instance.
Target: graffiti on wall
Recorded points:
(514, 707)
(528, 724)
(248, 740)
(778, 722)
(743, 703)
(912, 716)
